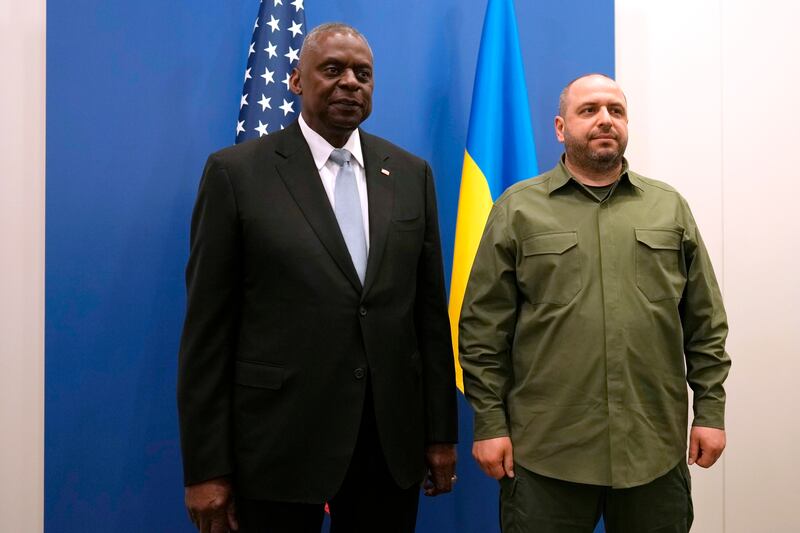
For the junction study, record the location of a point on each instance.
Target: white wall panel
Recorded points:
(668, 63)
(22, 149)
(712, 91)
(762, 253)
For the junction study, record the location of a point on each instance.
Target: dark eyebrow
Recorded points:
(597, 103)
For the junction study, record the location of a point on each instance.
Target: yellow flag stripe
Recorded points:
(474, 204)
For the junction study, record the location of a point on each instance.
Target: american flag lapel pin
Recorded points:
(384, 171)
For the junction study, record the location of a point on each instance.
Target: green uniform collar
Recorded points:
(560, 176)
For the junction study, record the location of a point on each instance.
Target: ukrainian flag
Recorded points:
(500, 148)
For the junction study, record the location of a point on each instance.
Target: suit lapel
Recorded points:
(380, 192)
(298, 171)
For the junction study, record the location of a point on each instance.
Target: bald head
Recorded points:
(563, 99)
(312, 40)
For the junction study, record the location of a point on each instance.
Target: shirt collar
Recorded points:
(321, 149)
(562, 176)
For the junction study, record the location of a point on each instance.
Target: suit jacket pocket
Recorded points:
(407, 222)
(260, 375)
(406, 215)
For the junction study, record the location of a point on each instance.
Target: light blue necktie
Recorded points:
(347, 208)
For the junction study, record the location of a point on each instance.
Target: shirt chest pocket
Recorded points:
(551, 271)
(660, 270)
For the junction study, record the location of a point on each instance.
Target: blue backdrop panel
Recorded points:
(138, 94)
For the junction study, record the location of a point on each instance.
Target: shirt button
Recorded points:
(358, 373)
(362, 311)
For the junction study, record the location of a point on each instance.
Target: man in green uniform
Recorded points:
(592, 302)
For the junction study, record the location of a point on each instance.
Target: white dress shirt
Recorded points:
(321, 152)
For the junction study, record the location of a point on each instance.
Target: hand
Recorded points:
(495, 456)
(441, 459)
(211, 506)
(705, 445)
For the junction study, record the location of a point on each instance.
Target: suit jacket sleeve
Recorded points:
(208, 343)
(433, 330)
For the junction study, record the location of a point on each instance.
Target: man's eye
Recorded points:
(364, 75)
(587, 111)
(331, 70)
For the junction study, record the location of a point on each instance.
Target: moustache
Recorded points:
(609, 135)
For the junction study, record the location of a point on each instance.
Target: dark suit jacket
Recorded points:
(280, 336)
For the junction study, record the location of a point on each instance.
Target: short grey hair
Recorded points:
(329, 27)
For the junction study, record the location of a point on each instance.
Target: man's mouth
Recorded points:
(346, 102)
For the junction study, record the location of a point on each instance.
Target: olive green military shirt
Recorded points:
(582, 322)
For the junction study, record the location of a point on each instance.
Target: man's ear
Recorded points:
(294, 82)
(558, 123)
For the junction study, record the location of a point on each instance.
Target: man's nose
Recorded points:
(604, 117)
(348, 78)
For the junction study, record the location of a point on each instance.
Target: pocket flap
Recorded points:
(408, 224)
(549, 243)
(254, 374)
(405, 216)
(660, 238)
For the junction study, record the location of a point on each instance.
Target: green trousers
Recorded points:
(530, 503)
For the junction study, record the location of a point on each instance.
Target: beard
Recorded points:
(598, 160)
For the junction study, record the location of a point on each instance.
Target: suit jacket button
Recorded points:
(362, 311)
(359, 373)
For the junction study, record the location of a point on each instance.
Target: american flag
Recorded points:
(267, 104)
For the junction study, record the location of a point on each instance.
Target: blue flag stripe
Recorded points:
(500, 138)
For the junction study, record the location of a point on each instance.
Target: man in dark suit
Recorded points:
(315, 362)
